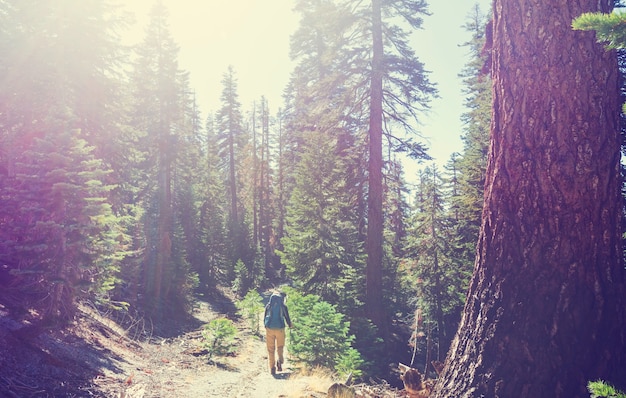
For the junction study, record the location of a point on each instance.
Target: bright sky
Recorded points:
(253, 36)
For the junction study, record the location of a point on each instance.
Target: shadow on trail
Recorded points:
(282, 376)
(220, 302)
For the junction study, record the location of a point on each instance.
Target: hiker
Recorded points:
(275, 318)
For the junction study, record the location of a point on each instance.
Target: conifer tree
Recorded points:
(266, 192)
(212, 217)
(261, 186)
(322, 251)
(440, 280)
(395, 87)
(232, 142)
(160, 117)
(61, 70)
(466, 171)
(60, 237)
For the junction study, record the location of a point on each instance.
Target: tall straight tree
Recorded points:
(358, 71)
(397, 86)
(157, 115)
(230, 131)
(374, 240)
(322, 252)
(213, 210)
(439, 279)
(61, 67)
(58, 93)
(265, 194)
(545, 310)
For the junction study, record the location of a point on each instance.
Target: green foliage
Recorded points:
(64, 242)
(219, 337)
(610, 28)
(321, 248)
(167, 137)
(437, 274)
(241, 276)
(370, 346)
(600, 389)
(320, 337)
(250, 308)
(350, 362)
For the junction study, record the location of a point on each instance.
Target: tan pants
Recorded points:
(275, 340)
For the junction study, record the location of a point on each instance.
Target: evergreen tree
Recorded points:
(232, 141)
(212, 218)
(59, 237)
(322, 252)
(465, 172)
(61, 65)
(266, 191)
(160, 117)
(470, 166)
(257, 184)
(321, 337)
(396, 88)
(440, 280)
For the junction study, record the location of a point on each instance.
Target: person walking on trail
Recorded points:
(275, 318)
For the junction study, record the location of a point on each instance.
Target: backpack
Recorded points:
(274, 313)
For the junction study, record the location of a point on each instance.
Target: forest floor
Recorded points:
(96, 357)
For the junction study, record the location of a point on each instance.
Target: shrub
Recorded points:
(219, 337)
(250, 308)
(600, 389)
(320, 337)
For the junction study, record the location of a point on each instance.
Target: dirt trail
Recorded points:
(173, 368)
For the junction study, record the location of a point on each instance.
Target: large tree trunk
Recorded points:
(374, 240)
(545, 310)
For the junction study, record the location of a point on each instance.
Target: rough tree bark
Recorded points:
(544, 314)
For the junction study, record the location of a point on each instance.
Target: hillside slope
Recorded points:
(95, 357)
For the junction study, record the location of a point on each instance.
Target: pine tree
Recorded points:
(321, 247)
(259, 184)
(61, 65)
(232, 141)
(166, 128)
(212, 218)
(465, 172)
(266, 192)
(60, 237)
(392, 65)
(440, 280)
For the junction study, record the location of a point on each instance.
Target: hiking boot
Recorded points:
(273, 371)
(279, 366)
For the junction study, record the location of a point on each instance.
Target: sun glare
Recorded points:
(251, 35)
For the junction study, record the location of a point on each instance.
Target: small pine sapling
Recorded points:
(321, 336)
(250, 309)
(219, 337)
